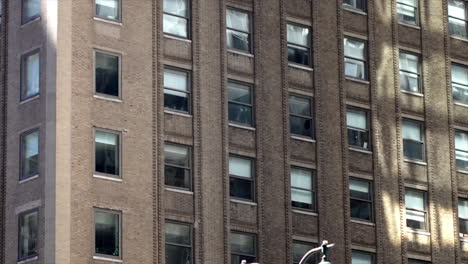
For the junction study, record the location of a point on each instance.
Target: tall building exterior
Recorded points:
(212, 131)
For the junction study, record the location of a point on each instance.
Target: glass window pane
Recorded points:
(299, 105)
(176, 100)
(242, 244)
(459, 74)
(358, 4)
(361, 210)
(412, 130)
(409, 82)
(359, 189)
(28, 233)
(176, 80)
(415, 219)
(297, 54)
(108, 9)
(31, 9)
(240, 114)
(461, 141)
(239, 93)
(358, 138)
(237, 20)
(407, 14)
(463, 208)
(413, 150)
(301, 196)
(301, 126)
(238, 40)
(463, 226)
(107, 152)
(456, 8)
(460, 93)
(409, 62)
(355, 69)
(107, 233)
(175, 26)
(458, 27)
(241, 188)
(409, 2)
(354, 48)
(107, 74)
(240, 167)
(356, 118)
(298, 35)
(238, 258)
(31, 75)
(178, 254)
(178, 234)
(361, 258)
(299, 250)
(30, 152)
(461, 159)
(176, 155)
(301, 178)
(176, 7)
(414, 200)
(177, 177)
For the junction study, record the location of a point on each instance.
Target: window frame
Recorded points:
(119, 70)
(463, 235)
(459, 19)
(452, 83)
(422, 134)
(365, 61)
(309, 49)
(188, 92)
(25, 20)
(295, 241)
(425, 211)
(368, 127)
(21, 152)
(110, 19)
(23, 74)
(253, 187)
(416, 13)
(252, 99)
(20, 218)
(180, 245)
(250, 34)
(190, 160)
(371, 254)
(456, 150)
(313, 189)
(246, 234)
(419, 73)
(311, 117)
(109, 131)
(353, 6)
(188, 19)
(109, 211)
(371, 201)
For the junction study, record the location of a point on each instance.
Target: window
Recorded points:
(408, 11)
(107, 74)
(177, 171)
(176, 90)
(178, 243)
(243, 247)
(361, 199)
(413, 140)
(356, 4)
(28, 234)
(410, 72)
(30, 75)
(241, 178)
(358, 128)
(31, 9)
(463, 217)
(108, 9)
(461, 149)
(107, 153)
(176, 18)
(458, 18)
(29, 154)
(415, 261)
(460, 83)
(300, 116)
(240, 103)
(416, 209)
(238, 30)
(361, 257)
(299, 249)
(107, 230)
(302, 188)
(355, 58)
(299, 44)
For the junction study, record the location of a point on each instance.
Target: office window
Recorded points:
(361, 199)
(176, 18)
(28, 234)
(107, 229)
(299, 249)
(408, 11)
(31, 9)
(29, 154)
(240, 103)
(107, 74)
(413, 140)
(176, 90)
(460, 83)
(108, 9)
(300, 116)
(241, 178)
(416, 209)
(30, 75)
(238, 30)
(243, 247)
(463, 217)
(410, 72)
(415, 261)
(461, 149)
(358, 128)
(458, 18)
(299, 44)
(356, 4)
(355, 53)
(178, 243)
(177, 170)
(107, 153)
(302, 188)
(361, 257)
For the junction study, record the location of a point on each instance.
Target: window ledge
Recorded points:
(357, 80)
(109, 178)
(113, 22)
(419, 232)
(107, 259)
(177, 113)
(354, 10)
(178, 38)
(30, 21)
(241, 126)
(29, 179)
(360, 150)
(409, 25)
(112, 99)
(459, 38)
(462, 171)
(28, 260)
(304, 212)
(415, 162)
(461, 104)
(303, 139)
(241, 53)
(29, 99)
(243, 202)
(305, 68)
(169, 189)
(412, 93)
(463, 239)
(362, 222)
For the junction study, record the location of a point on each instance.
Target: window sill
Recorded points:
(29, 179)
(409, 25)
(243, 202)
(29, 99)
(419, 232)
(30, 21)
(169, 189)
(360, 150)
(297, 211)
(177, 113)
(242, 127)
(412, 93)
(362, 222)
(107, 259)
(459, 38)
(305, 68)
(415, 162)
(33, 258)
(463, 239)
(109, 178)
(357, 80)
(460, 104)
(462, 171)
(354, 10)
(178, 38)
(108, 98)
(113, 22)
(240, 53)
(303, 139)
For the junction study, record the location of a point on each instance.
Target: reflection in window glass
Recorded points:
(461, 149)
(410, 72)
(28, 235)
(176, 90)
(463, 216)
(107, 233)
(242, 247)
(300, 116)
(29, 155)
(298, 44)
(107, 152)
(107, 74)
(178, 243)
(413, 140)
(360, 257)
(176, 18)
(108, 9)
(238, 30)
(177, 166)
(408, 11)
(460, 83)
(357, 4)
(458, 21)
(355, 58)
(240, 104)
(241, 180)
(30, 10)
(30, 75)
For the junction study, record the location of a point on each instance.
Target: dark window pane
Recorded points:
(177, 177)
(239, 93)
(107, 233)
(463, 224)
(241, 188)
(240, 114)
(299, 250)
(462, 159)
(415, 224)
(107, 153)
(238, 40)
(175, 26)
(176, 100)
(236, 259)
(300, 126)
(299, 106)
(361, 210)
(299, 55)
(358, 138)
(28, 235)
(107, 74)
(178, 234)
(460, 93)
(178, 254)
(413, 150)
(108, 9)
(415, 219)
(30, 153)
(242, 244)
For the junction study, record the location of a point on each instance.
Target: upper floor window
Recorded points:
(458, 18)
(299, 44)
(361, 257)
(416, 209)
(107, 153)
(410, 72)
(416, 261)
(177, 90)
(107, 71)
(30, 75)
(178, 243)
(361, 199)
(28, 234)
(107, 230)
(29, 154)
(463, 217)
(460, 83)
(238, 30)
(355, 53)
(461, 149)
(413, 140)
(108, 9)
(240, 103)
(358, 128)
(241, 178)
(31, 9)
(408, 11)
(177, 169)
(176, 18)
(300, 116)
(302, 188)
(356, 4)
(243, 247)
(299, 249)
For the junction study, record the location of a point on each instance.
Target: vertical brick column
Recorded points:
(3, 123)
